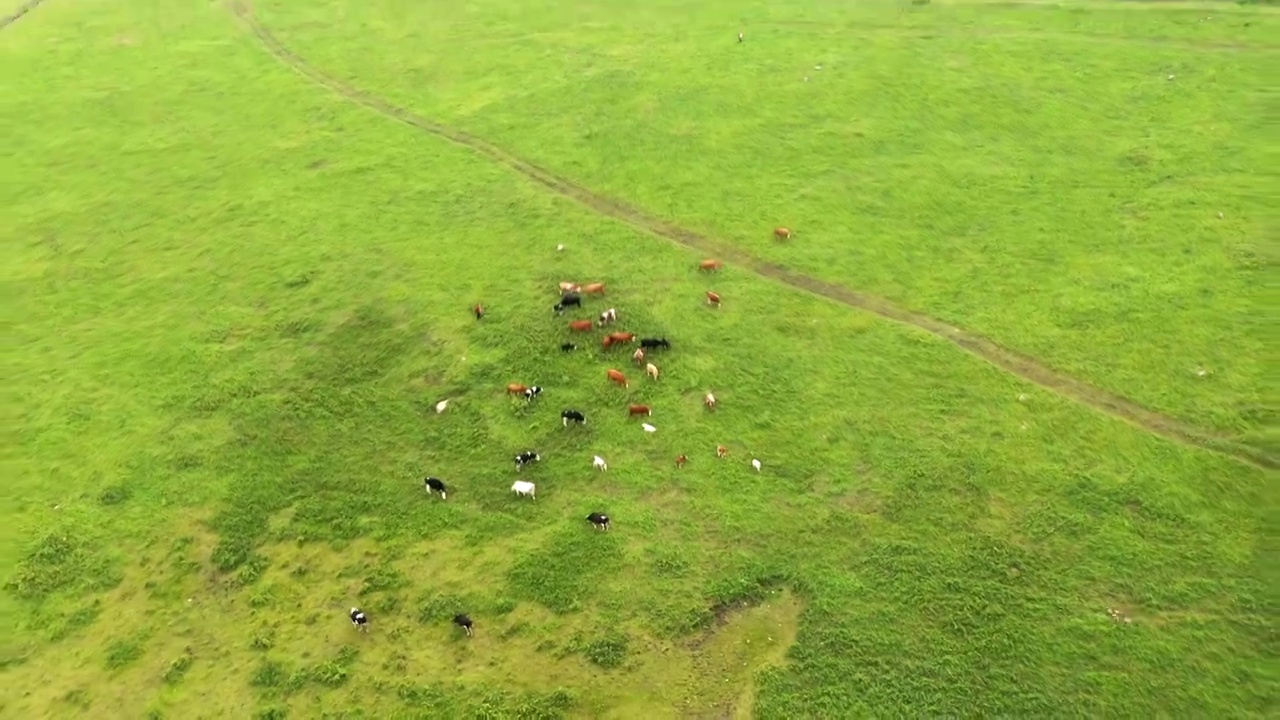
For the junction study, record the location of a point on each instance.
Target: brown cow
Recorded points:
(680, 461)
(721, 451)
(622, 337)
(713, 299)
(710, 265)
(581, 325)
(618, 377)
(607, 342)
(593, 289)
(638, 356)
(516, 389)
(782, 233)
(633, 410)
(478, 311)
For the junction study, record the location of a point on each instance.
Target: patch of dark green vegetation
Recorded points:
(123, 653)
(63, 562)
(178, 669)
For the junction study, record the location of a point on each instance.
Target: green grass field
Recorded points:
(235, 296)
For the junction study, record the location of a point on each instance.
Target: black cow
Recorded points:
(599, 520)
(525, 458)
(654, 343)
(573, 415)
(435, 485)
(568, 301)
(359, 620)
(532, 392)
(464, 622)
(568, 347)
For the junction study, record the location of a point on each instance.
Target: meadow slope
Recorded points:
(235, 299)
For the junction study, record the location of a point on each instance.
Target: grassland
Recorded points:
(236, 296)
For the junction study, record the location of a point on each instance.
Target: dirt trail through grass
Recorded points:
(1008, 360)
(16, 15)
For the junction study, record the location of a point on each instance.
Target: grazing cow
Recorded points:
(654, 343)
(622, 337)
(516, 388)
(525, 458)
(739, 37)
(608, 316)
(710, 265)
(599, 520)
(713, 299)
(573, 415)
(569, 287)
(478, 311)
(633, 410)
(755, 464)
(709, 401)
(359, 620)
(607, 342)
(463, 622)
(648, 428)
(618, 377)
(442, 406)
(568, 301)
(782, 233)
(681, 460)
(533, 392)
(637, 357)
(527, 489)
(568, 347)
(721, 451)
(580, 325)
(435, 485)
(593, 289)
(651, 370)
(598, 463)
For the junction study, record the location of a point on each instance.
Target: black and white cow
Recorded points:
(359, 620)
(464, 622)
(525, 458)
(569, 300)
(573, 416)
(654, 343)
(435, 485)
(599, 520)
(532, 392)
(568, 347)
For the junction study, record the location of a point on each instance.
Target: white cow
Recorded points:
(599, 464)
(521, 487)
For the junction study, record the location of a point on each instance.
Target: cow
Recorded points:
(598, 463)
(516, 388)
(608, 316)
(739, 37)
(648, 428)
(525, 458)
(710, 265)
(463, 622)
(359, 620)
(593, 289)
(782, 233)
(681, 460)
(442, 406)
(651, 370)
(568, 347)
(638, 356)
(721, 451)
(532, 392)
(622, 337)
(709, 401)
(435, 485)
(654, 343)
(573, 415)
(599, 520)
(580, 325)
(569, 287)
(478, 311)
(527, 489)
(713, 299)
(633, 410)
(569, 300)
(755, 464)
(607, 342)
(618, 377)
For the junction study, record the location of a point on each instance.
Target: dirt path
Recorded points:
(1008, 360)
(16, 15)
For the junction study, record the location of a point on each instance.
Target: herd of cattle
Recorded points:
(571, 295)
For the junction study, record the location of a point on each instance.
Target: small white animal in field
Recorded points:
(648, 428)
(709, 401)
(755, 464)
(441, 406)
(651, 370)
(599, 464)
(560, 248)
(523, 487)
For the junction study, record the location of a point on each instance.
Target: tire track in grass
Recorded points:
(16, 15)
(1021, 365)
